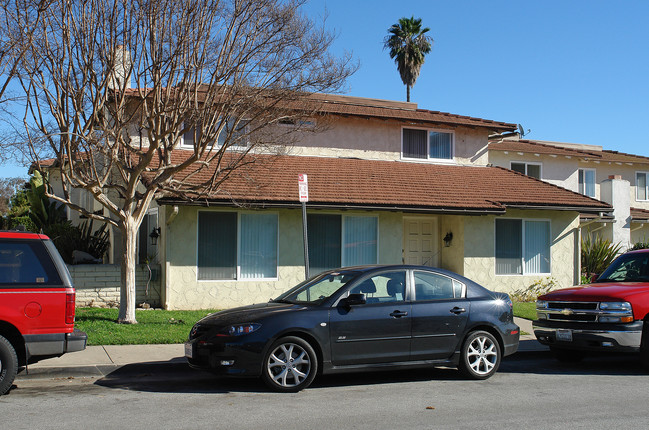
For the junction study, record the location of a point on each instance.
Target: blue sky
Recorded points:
(570, 71)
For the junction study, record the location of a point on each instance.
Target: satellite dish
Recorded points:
(522, 131)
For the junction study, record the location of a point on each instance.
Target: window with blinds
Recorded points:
(237, 245)
(427, 144)
(522, 247)
(336, 241)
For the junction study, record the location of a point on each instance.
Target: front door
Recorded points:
(377, 331)
(420, 241)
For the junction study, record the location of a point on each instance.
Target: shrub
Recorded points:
(68, 238)
(597, 254)
(639, 245)
(531, 292)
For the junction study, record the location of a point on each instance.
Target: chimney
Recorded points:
(121, 75)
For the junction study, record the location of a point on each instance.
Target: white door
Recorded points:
(420, 241)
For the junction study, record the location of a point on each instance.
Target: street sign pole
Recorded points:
(303, 187)
(306, 241)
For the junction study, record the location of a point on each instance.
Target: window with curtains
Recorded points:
(641, 186)
(427, 144)
(522, 247)
(336, 240)
(587, 182)
(237, 245)
(529, 169)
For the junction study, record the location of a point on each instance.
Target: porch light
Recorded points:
(448, 239)
(155, 234)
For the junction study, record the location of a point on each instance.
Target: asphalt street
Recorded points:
(531, 390)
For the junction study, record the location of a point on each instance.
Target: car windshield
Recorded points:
(628, 268)
(317, 289)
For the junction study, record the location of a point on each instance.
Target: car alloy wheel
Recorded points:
(480, 355)
(290, 365)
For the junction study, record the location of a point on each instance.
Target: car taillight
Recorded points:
(69, 308)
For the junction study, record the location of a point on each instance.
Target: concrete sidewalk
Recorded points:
(100, 360)
(528, 342)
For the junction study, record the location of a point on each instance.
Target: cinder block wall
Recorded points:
(98, 284)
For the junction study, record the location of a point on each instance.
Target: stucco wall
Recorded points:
(452, 257)
(381, 140)
(640, 234)
(471, 253)
(184, 291)
(479, 250)
(559, 170)
(564, 171)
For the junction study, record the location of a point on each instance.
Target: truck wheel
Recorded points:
(8, 365)
(644, 345)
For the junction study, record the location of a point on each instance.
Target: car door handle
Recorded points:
(398, 314)
(457, 310)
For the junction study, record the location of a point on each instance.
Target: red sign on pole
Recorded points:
(303, 186)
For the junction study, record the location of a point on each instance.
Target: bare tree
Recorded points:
(113, 88)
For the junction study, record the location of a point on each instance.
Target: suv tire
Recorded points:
(8, 365)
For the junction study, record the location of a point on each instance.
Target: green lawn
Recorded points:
(525, 310)
(158, 326)
(154, 326)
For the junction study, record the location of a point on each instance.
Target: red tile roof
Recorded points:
(530, 146)
(354, 106)
(638, 214)
(334, 104)
(339, 182)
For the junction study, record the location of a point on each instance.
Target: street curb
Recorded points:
(104, 370)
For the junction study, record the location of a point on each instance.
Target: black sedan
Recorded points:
(359, 318)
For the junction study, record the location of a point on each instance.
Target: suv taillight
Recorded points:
(69, 308)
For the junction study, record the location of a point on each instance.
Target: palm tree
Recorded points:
(408, 45)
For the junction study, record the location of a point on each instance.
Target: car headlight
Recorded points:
(241, 329)
(541, 304)
(615, 306)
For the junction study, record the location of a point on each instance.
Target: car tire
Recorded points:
(290, 365)
(480, 355)
(8, 365)
(567, 355)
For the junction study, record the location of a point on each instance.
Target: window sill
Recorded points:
(239, 280)
(429, 160)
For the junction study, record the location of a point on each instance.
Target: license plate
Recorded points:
(564, 335)
(188, 350)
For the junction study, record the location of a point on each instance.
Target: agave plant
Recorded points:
(597, 254)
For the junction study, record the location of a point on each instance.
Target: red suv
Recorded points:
(36, 304)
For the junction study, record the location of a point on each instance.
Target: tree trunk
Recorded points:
(127, 293)
(408, 93)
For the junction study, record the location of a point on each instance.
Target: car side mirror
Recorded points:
(353, 299)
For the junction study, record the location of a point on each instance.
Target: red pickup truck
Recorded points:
(610, 314)
(36, 304)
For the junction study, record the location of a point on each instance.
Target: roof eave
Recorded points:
(337, 206)
(558, 208)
